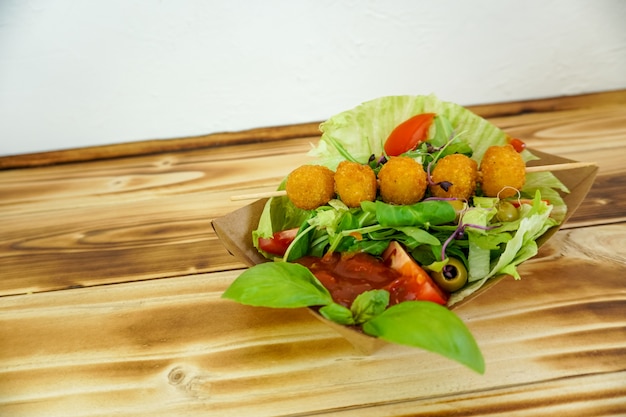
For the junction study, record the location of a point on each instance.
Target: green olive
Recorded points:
(452, 277)
(507, 212)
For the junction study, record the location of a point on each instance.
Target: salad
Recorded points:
(413, 204)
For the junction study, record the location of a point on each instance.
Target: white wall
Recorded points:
(81, 73)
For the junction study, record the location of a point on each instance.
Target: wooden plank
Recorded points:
(551, 104)
(157, 146)
(139, 219)
(568, 397)
(172, 347)
(149, 217)
(272, 133)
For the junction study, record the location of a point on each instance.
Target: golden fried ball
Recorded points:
(310, 186)
(354, 183)
(458, 170)
(402, 180)
(503, 171)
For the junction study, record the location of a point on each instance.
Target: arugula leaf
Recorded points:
(457, 147)
(300, 245)
(418, 214)
(420, 236)
(373, 247)
(428, 326)
(279, 285)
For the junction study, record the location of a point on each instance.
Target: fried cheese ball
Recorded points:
(503, 171)
(310, 186)
(458, 170)
(354, 183)
(402, 180)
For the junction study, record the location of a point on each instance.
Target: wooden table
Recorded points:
(111, 277)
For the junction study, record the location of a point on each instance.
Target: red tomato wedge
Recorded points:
(409, 134)
(279, 242)
(517, 144)
(414, 283)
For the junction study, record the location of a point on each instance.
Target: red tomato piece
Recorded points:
(409, 134)
(279, 242)
(414, 283)
(347, 275)
(517, 144)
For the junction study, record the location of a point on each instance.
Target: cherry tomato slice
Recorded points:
(414, 283)
(517, 144)
(409, 134)
(279, 242)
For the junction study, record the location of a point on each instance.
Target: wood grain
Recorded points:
(149, 217)
(141, 219)
(110, 297)
(165, 352)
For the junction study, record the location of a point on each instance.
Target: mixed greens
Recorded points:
(432, 231)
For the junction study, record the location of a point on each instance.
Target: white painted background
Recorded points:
(80, 73)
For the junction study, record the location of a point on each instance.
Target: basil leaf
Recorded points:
(369, 304)
(428, 326)
(373, 247)
(337, 313)
(278, 285)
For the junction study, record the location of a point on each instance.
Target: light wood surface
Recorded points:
(111, 278)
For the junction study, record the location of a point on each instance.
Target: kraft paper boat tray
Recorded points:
(235, 232)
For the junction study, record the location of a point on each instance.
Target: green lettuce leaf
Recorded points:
(362, 131)
(533, 223)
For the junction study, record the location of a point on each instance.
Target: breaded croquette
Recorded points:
(503, 171)
(355, 183)
(310, 186)
(454, 176)
(402, 180)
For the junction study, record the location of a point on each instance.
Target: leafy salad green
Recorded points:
(430, 230)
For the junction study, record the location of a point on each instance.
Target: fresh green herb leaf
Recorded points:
(369, 304)
(428, 326)
(337, 313)
(419, 214)
(455, 147)
(373, 247)
(443, 131)
(278, 285)
(301, 244)
(420, 236)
